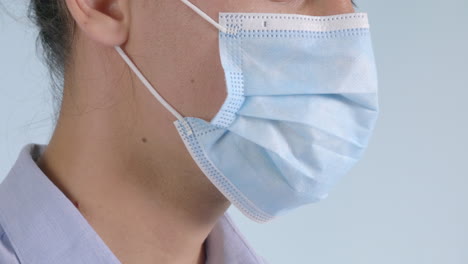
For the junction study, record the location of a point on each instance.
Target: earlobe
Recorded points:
(104, 21)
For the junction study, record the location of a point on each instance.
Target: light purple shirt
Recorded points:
(40, 225)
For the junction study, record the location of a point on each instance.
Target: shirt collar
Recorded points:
(45, 227)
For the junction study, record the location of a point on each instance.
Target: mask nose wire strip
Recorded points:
(205, 16)
(153, 91)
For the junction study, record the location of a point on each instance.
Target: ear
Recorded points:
(104, 21)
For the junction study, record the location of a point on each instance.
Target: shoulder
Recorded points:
(17, 204)
(244, 253)
(7, 253)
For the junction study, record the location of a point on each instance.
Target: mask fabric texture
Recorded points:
(301, 107)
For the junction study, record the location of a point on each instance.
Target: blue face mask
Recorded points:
(302, 104)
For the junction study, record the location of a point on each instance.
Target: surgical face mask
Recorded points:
(301, 107)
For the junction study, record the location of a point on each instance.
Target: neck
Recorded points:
(128, 182)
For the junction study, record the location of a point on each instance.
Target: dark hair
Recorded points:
(56, 31)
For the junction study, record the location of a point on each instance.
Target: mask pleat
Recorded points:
(328, 113)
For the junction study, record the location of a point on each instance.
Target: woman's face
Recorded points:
(179, 50)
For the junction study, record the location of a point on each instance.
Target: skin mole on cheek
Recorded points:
(192, 80)
(144, 140)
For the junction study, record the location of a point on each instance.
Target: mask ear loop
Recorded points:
(208, 18)
(151, 89)
(148, 85)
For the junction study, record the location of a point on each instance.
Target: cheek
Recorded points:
(206, 91)
(328, 7)
(179, 53)
(305, 7)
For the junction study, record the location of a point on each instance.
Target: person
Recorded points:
(118, 183)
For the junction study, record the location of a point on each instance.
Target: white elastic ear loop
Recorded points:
(206, 17)
(150, 88)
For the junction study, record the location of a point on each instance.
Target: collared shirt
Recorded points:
(40, 225)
